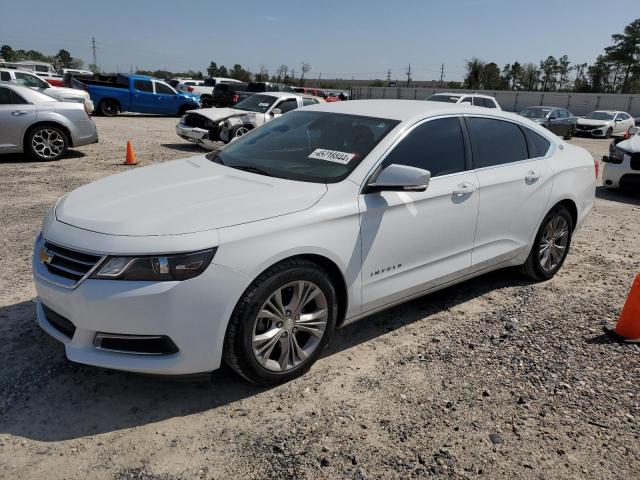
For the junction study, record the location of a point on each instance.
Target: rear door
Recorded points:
(16, 114)
(515, 186)
(142, 97)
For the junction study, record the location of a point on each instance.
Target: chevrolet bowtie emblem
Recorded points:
(45, 256)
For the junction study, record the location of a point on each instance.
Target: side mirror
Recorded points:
(276, 111)
(400, 178)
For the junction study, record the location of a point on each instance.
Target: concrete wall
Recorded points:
(577, 103)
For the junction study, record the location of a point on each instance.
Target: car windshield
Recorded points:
(318, 147)
(599, 116)
(444, 98)
(535, 112)
(256, 103)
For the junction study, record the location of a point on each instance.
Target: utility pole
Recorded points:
(388, 75)
(93, 47)
(441, 74)
(409, 76)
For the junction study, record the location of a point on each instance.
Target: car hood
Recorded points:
(216, 114)
(631, 145)
(182, 196)
(585, 121)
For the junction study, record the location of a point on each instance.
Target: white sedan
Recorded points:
(207, 126)
(33, 81)
(256, 253)
(622, 165)
(604, 123)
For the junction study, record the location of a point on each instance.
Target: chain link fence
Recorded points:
(576, 103)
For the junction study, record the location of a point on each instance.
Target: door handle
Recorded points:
(532, 177)
(19, 112)
(464, 189)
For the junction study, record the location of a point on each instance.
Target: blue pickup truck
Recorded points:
(136, 93)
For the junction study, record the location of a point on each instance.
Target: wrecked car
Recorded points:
(209, 126)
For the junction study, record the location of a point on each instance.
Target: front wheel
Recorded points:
(47, 143)
(609, 133)
(282, 323)
(551, 245)
(206, 102)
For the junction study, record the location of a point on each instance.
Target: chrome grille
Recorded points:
(67, 263)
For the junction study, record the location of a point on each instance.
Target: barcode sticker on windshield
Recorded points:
(264, 104)
(332, 155)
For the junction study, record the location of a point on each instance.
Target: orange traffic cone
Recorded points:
(628, 327)
(131, 155)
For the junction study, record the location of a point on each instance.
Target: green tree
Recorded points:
(564, 67)
(530, 76)
(490, 77)
(240, 73)
(63, 59)
(549, 67)
(473, 78)
(212, 70)
(7, 53)
(599, 74)
(626, 51)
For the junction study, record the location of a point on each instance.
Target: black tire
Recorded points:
(569, 134)
(109, 108)
(206, 102)
(609, 133)
(47, 143)
(238, 349)
(533, 266)
(239, 130)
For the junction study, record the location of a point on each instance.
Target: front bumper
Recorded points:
(193, 314)
(590, 131)
(199, 136)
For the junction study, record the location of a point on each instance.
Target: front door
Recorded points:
(167, 99)
(412, 241)
(143, 98)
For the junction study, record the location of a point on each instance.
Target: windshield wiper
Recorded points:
(249, 168)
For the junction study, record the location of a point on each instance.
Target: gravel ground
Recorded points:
(494, 378)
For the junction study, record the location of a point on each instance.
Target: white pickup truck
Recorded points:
(204, 88)
(208, 126)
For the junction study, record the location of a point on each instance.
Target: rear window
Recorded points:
(9, 97)
(143, 85)
(256, 87)
(444, 98)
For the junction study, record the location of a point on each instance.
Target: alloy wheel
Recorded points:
(553, 243)
(290, 326)
(48, 143)
(241, 131)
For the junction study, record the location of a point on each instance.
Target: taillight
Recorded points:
(234, 98)
(596, 166)
(189, 89)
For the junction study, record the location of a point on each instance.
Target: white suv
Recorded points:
(473, 98)
(62, 94)
(255, 253)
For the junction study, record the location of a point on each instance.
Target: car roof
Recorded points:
(611, 112)
(279, 94)
(459, 94)
(406, 110)
(29, 94)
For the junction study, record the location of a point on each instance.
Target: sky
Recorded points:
(358, 38)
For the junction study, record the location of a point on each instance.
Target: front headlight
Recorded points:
(156, 268)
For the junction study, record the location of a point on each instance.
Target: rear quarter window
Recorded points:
(538, 145)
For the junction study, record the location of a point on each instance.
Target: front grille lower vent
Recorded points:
(60, 323)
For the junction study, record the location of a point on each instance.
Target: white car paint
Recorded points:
(618, 125)
(200, 88)
(625, 163)
(62, 94)
(227, 118)
(388, 246)
(476, 99)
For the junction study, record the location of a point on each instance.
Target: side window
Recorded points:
(9, 97)
(496, 142)
(437, 146)
(4, 76)
(143, 85)
(489, 103)
(466, 100)
(29, 80)
(308, 101)
(538, 145)
(287, 105)
(479, 102)
(162, 88)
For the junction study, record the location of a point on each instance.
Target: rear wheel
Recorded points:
(206, 102)
(109, 108)
(551, 245)
(282, 323)
(47, 143)
(569, 134)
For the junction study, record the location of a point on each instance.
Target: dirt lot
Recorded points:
(495, 378)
